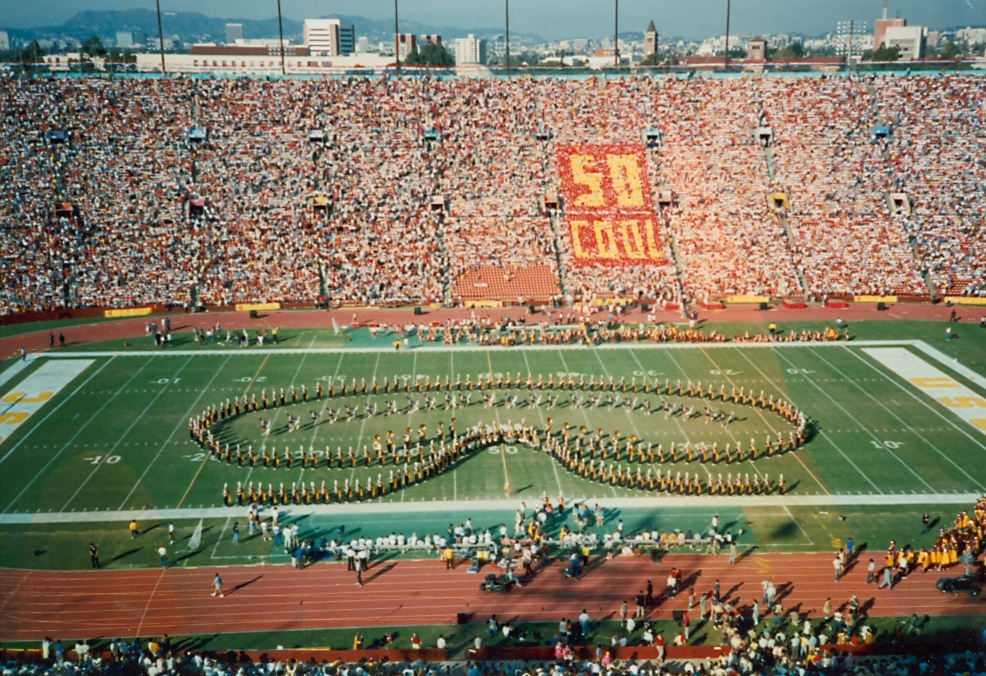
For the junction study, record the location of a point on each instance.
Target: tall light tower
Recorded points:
(728, 7)
(160, 37)
(616, 35)
(850, 36)
(507, 3)
(280, 34)
(397, 41)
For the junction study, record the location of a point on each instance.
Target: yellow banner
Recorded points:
(128, 312)
(483, 303)
(748, 299)
(966, 301)
(875, 299)
(243, 307)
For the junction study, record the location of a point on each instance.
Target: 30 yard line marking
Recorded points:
(124, 435)
(860, 425)
(178, 426)
(77, 433)
(761, 416)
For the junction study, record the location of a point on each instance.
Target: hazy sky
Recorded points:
(553, 18)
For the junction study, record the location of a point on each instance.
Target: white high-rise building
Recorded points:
(4, 41)
(234, 32)
(469, 50)
(321, 36)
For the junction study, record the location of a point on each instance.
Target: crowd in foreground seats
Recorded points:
(424, 180)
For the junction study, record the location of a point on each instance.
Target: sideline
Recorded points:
(780, 502)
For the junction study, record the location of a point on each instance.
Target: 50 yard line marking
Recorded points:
(554, 465)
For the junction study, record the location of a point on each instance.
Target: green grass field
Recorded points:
(115, 439)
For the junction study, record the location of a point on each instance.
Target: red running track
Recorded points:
(177, 601)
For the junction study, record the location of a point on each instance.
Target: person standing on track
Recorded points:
(359, 572)
(217, 586)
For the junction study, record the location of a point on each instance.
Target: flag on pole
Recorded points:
(196, 538)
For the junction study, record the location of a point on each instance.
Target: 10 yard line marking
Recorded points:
(124, 435)
(821, 431)
(863, 427)
(916, 398)
(175, 431)
(77, 432)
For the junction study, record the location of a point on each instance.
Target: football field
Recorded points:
(102, 435)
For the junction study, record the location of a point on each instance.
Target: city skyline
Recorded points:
(555, 19)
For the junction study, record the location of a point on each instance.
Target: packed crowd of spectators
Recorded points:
(836, 177)
(424, 180)
(935, 147)
(729, 242)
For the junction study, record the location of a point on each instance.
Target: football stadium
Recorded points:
(613, 375)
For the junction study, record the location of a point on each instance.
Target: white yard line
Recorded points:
(77, 432)
(362, 426)
(782, 393)
(52, 411)
(582, 408)
(554, 465)
(860, 425)
(124, 435)
(954, 464)
(178, 426)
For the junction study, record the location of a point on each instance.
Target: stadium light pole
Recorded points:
(397, 40)
(616, 34)
(726, 62)
(160, 37)
(280, 35)
(507, 4)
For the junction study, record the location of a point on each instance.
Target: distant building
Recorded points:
(470, 50)
(234, 32)
(909, 39)
(881, 26)
(432, 39)
(974, 36)
(321, 36)
(650, 40)
(580, 44)
(363, 45)
(347, 40)
(124, 39)
(756, 49)
(406, 43)
(932, 40)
